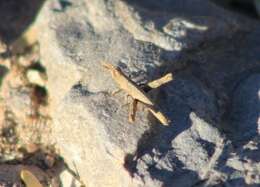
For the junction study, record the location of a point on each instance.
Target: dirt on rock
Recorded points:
(25, 122)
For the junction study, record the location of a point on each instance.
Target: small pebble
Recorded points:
(32, 148)
(36, 77)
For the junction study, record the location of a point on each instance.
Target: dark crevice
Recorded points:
(64, 4)
(242, 7)
(38, 66)
(16, 17)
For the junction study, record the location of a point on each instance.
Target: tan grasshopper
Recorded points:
(137, 93)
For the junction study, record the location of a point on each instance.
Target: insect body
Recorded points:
(127, 85)
(137, 93)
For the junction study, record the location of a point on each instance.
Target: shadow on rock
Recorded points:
(3, 72)
(197, 102)
(197, 23)
(161, 150)
(245, 110)
(17, 16)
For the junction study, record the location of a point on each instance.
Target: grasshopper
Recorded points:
(137, 93)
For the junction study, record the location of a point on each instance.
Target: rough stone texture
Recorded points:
(184, 150)
(10, 174)
(245, 109)
(210, 51)
(68, 180)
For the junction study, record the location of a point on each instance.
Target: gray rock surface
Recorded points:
(209, 50)
(257, 6)
(245, 110)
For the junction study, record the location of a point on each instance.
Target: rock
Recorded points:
(30, 58)
(10, 174)
(77, 47)
(20, 102)
(190, 148)
(29, 179)
(68, 180)
(257, 6)
(145, 39)
(245, 111)
(36, 77)
(239, 166)
(32, 148)
(246, 7)
(24, 122)
(27, 39)
(105, 146)
(17, 17)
